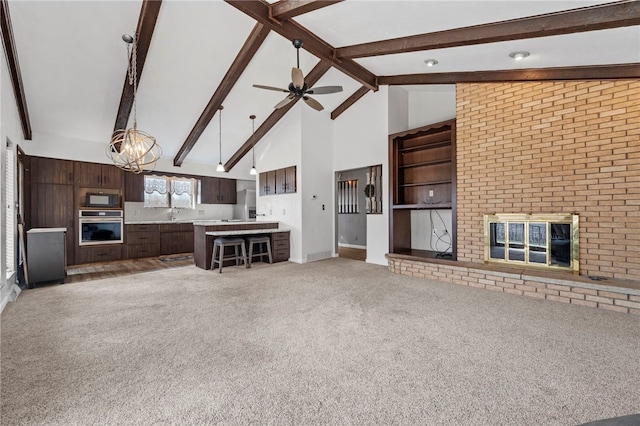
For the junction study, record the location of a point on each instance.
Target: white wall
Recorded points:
(10, 128)
(279, 148)
(431, 104)
(423, 225)
(317, 180)
(360, 138)
(398, 109)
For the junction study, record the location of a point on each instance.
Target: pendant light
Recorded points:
(220, 167)
(253, 171)
(131, 149)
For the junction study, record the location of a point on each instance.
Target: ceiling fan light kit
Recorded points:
(298, 89)
(131, 149)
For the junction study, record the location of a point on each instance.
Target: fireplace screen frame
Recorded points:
(527, 253)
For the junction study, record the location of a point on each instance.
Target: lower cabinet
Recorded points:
(280, 248)
(142, 241)
(176, 238)
(98, 253)
(150, 240)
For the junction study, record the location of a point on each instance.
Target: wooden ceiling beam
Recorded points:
(355, 97)
(144, 32)
(598, 17)
(13, 64)
(248, 51)
(312, 78)
(590, 72)
(289, 29)
(287, 9)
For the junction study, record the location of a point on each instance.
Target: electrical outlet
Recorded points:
(431, 193)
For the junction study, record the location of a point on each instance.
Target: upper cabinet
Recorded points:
(281, 181)
(267, 182)
(51, 170)
(218, 191)
(134, 187)
(98, 175)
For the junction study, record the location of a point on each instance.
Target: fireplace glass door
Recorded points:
(548, 241)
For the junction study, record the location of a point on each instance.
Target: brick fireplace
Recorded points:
(536, 147)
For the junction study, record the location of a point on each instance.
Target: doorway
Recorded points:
(351, 213)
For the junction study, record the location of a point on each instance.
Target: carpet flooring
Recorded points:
(335, 342)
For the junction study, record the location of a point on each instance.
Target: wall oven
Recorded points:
(100, 227)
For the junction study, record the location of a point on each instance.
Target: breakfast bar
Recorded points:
(204, 232)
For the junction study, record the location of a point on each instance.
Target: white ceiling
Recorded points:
(73, 60)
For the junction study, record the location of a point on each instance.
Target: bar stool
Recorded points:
(258, 240)
(220, 244)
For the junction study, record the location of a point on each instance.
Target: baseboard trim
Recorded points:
(355, 246)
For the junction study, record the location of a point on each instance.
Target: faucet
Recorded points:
(174, 213)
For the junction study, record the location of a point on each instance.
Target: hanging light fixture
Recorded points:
(220, 167)
(253, 171)
(131, 149)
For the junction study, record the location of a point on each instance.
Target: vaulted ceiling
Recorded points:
(197, 55)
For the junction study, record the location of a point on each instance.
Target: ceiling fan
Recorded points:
(298, 88)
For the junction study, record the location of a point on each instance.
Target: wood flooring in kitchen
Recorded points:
(99, 270)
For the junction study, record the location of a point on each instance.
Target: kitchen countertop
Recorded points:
(246, 232)
(193, 221)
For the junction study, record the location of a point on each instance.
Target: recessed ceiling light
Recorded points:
(519, 55)
(430, 62)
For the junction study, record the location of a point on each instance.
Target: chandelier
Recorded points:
(131, 149)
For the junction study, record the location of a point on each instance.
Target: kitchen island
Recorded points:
(203, 243)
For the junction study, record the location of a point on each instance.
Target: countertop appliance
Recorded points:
(245, 209)
(100, 227)
(46, 255)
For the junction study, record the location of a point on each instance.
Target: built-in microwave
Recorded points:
(102, 200)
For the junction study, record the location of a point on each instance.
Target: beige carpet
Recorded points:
(335, 342)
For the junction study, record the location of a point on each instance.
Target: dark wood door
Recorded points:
(52, 207)
(290, 179)
(50, 170)
(112, 176)
(134, 187)
(88, 174)
(281, 182)
(209, 187)
(227, 191)
(268, 183)
(176, 242)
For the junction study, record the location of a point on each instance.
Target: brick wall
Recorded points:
(553, 147)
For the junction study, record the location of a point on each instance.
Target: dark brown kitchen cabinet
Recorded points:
(134, 187)
(142, 241)
(267, 182)
(99, 253)
(280, 181)
(286, 180)
(218, 190)
(176, 242)
(96, 175)
(52, 207)
(280, 246)
(50, 170)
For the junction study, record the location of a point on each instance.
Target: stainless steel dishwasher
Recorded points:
(46, 255)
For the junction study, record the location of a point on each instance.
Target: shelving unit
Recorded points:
(423, 174)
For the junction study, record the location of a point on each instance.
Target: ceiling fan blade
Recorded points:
(313, 103)
(284, 101)
(324, 90)
(277, 89)
(297, 77)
